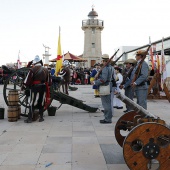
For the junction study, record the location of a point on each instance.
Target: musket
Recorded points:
(140, 66)
(128, 74)
(97, 75)
(114, 62)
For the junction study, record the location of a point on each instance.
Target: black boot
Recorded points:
(29, 120)
(41, 119)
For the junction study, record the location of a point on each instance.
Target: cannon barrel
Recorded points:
(137, 108)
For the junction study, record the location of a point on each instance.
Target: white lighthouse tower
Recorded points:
(92, 28)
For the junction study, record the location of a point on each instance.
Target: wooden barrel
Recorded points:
(13, 98)
(12, 113)
(19, 112)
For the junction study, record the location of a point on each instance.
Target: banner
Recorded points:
(163, 66)
(18, 61)
(59, 57)
(151, 56)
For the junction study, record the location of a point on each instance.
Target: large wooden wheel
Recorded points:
(147, 147)
(121, 134)
(14, 82)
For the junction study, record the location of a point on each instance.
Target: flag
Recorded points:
(151, 55)
(59, 57)
(63, 57)
(163, 65)
(158, 63)
(18, 61)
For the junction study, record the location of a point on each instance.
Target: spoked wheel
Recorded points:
(14, 82)
(147, 147)
(121, 129)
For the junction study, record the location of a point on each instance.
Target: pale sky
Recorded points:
(27, 24)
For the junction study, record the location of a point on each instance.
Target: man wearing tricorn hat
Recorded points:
(105, 79)
(139, 81)
(129, 91)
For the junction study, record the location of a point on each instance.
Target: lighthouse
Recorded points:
(92, 28)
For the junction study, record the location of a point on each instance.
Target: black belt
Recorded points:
(142, 84)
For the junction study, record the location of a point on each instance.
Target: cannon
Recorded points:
(145, 138)
(16, 79)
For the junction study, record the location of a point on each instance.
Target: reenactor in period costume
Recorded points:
(37, 80)
(139, 81)
(126, 84)
(117, 103)
(92, 77)
(65, 75)
(105, 79)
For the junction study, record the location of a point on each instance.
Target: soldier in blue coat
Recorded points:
(129, 91)
(140, 83)
(105, 79)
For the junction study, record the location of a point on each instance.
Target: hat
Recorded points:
(130, 61)
(36, 59)
(141, 52)
(66, 63)
(105, 56)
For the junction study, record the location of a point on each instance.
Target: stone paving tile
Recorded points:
(109, 127)
(83, 128)
(55, 148)
(33, 138)
(55, 133)
(5, 148)
(105, 133)
(18, 126)
(117, 167)
(17, 167)
(85, 140)
(83, 133)
(55, 158)
(81, 159)
(113, 153)
(21, 159)
(62, 128)
(86, 148)
(53, 167)
(106, 140)
(27, 148)
(89, 167)
(3, 157)
(59, 140)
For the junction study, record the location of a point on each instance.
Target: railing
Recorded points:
(92, 22)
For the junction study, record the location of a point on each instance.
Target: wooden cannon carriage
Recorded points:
(15, 81)
(145, 138)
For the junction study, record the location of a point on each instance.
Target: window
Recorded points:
(93, 30)
(93, 45)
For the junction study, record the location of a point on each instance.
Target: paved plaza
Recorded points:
(73, 139)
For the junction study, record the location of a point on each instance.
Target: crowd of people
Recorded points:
(133, 79)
